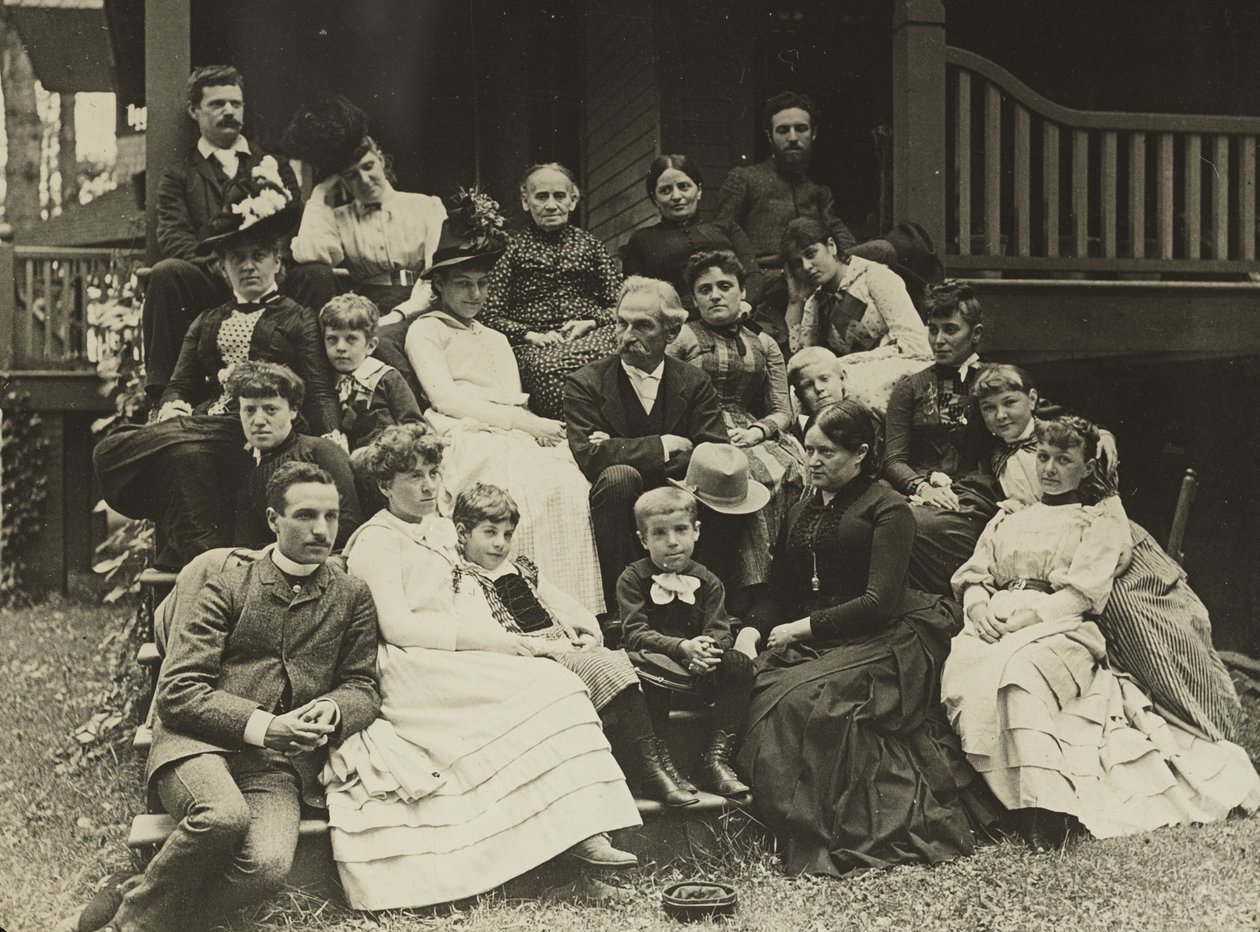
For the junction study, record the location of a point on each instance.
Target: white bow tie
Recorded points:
(668, 586)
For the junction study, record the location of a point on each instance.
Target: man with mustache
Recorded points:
(764, 197)
(634, 418)
(183, 284)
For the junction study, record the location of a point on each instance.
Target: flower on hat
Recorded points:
(475, 216)
(270, 194)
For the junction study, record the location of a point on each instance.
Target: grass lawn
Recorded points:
(62, 829)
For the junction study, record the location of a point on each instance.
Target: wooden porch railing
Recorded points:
(1010, 182)
(46, 296)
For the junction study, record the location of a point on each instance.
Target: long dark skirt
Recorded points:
(851, 760)
(183, 473)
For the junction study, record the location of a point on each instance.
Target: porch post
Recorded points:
(8, 300)
(919, 169)
(167, 61)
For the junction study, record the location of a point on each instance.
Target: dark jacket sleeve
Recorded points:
(754, 280)
(892, 538)
(188, 381)
(176, 233)
(732, 197)
(582, 418)
(187, 697)
(827, 210)
(898, 423)
(633, 262)
(356, 690)
(711, 603)
(323, 415)
(637, 631)
(705, 423)
(400, 399)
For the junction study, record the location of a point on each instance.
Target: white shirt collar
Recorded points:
(1028, 430)
(638, 375)
(207, 148)
(292, 567)
(265, 298)
(968, 363)
(506, 568)
(368, 368)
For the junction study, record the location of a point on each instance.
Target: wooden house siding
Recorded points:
(621, 126)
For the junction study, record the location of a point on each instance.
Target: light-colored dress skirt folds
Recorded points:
(481, 766)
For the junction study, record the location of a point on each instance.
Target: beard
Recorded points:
(793, 160)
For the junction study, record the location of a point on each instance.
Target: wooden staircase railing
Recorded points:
(1009, 182)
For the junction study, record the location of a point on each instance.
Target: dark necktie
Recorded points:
(731, 332)
(1002, 455)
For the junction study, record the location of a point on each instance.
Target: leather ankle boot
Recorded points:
(717, 775)
(667, 763)
(655, 781)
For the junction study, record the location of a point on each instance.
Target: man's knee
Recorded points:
(616, 484)
(267, 871)
(220, 823)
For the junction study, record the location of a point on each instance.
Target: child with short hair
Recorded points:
(678, 633)
(509, 595)
(371, 394)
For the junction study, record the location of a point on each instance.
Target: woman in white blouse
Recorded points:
(469, 375)
(354, 217)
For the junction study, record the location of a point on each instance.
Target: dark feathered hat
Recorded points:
(260, 205)
(330, 134)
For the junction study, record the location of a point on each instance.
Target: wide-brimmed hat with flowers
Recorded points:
(262, 205)
(473, 228)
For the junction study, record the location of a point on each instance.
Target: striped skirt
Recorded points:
(605, 672)
(1158, 631)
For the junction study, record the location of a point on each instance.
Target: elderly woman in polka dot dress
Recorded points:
(552, 292)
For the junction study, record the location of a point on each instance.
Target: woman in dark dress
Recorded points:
(552, 292)
(674, 185)
(183, 472)
(850, 758)
(933, 441)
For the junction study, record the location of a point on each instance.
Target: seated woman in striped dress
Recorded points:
(1156, 627)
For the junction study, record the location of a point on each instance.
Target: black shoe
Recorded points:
(667, 762)
(101, 909)
(655, 781)
(716, 774)
(1044, 830)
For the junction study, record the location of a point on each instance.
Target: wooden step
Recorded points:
(152, 829)
(156, 579)
(148, 655)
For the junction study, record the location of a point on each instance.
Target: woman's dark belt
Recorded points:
(1037, 585)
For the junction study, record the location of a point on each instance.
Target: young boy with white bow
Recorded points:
(678, 633)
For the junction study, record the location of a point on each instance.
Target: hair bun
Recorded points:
(328, 134)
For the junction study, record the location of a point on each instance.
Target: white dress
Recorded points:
(481, 766)
(469, 374)
(1042, 717)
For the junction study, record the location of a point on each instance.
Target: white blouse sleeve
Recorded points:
(380, 558)
(427, 355)
(318, 239)
(974, 581)
(568, 611)
(1085, 583)
(905, 329)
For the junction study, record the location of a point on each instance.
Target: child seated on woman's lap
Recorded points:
(678, 633)
(508, 594)
(371, 394)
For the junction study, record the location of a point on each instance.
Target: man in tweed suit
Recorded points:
(190, 195)
(276, 658)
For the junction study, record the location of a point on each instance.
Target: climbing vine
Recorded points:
(23, 489)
